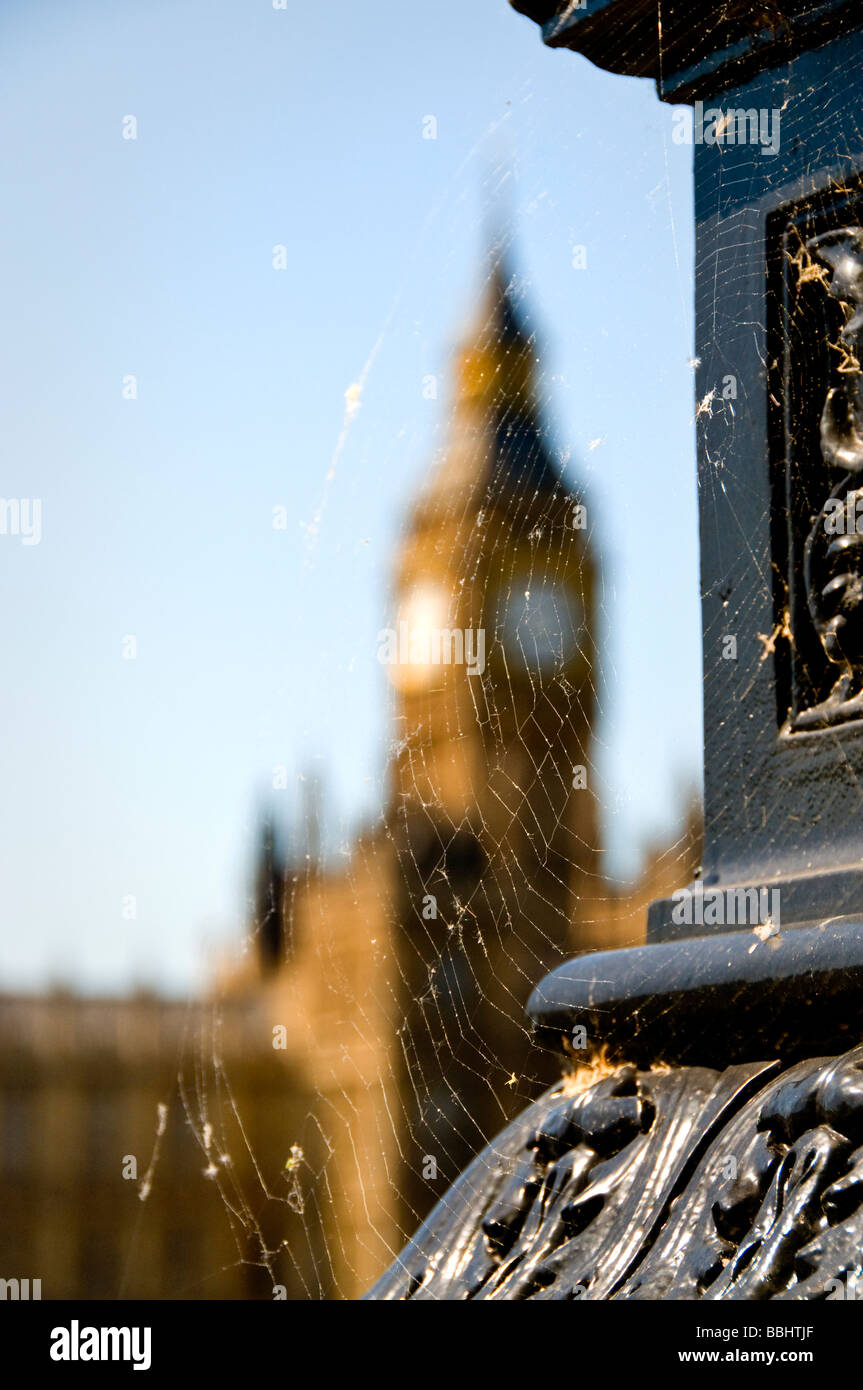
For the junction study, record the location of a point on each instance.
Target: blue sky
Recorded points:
(153, 258)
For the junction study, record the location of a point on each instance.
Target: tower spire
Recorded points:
(497, 444)
(269, 897)
(495, 364)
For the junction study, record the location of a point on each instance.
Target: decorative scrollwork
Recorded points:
(681, 1183)
(833, 557)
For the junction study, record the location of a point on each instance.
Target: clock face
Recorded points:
(422, 617)
(540, 623)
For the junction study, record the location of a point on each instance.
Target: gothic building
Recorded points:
(400, 981)
(285, 1136)
(494, 843)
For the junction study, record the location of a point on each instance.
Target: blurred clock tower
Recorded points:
(492, 792)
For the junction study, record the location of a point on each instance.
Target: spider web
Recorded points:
(303, 1120)
(401, 978)
(396, 978)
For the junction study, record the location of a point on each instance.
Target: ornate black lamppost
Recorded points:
(719, 1158)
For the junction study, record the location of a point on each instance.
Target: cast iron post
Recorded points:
(735, 1172)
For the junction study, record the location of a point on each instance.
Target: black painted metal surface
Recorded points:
(686, 1183)
(783, 762)
(709, 1000)
(688, 47)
